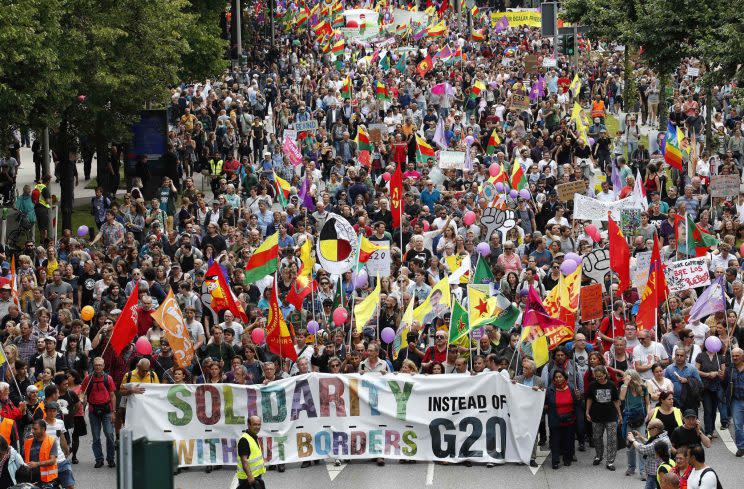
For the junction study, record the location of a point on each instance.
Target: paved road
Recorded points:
(425, 475)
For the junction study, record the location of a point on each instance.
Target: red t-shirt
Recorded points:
(433, 354)
(604, 327)
(563, 402)
(563, 84)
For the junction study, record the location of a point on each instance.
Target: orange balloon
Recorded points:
(87, 313)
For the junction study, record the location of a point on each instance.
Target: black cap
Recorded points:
(690, 413)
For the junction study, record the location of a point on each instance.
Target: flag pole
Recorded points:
(12, 374)
(275, 286)
(312, 287)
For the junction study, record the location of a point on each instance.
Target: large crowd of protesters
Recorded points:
(613, 386)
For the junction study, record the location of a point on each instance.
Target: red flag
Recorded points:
(125, 329)
(619, 255)
(443, 8)
(278, 337)
(222, 295)
(396, 196)
(301, 288)
(655, 293)
(425, 66)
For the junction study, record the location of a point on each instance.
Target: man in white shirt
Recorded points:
(606, 195)
(234, 325)
(701, 476)
(647, 353)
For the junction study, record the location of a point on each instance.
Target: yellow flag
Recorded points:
(2, 357)
(404, 328)
(481, 305)
(438, 301)
(306, 256)
(538, 343)
(364, 311)
(575, 86)
(577, 118)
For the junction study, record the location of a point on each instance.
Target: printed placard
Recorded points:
(451, 160)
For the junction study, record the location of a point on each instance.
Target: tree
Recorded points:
(206, 55)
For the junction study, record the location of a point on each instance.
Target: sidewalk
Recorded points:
(27, 174)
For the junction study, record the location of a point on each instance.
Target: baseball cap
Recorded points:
(690, 413)
(51, 405)
(50, 338)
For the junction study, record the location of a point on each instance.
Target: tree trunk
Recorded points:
(65, 147)
(663, 104)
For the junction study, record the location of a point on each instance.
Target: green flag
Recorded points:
(459, 325)
(401, 64)
(385, 62)
(699, 241)
(483, 273)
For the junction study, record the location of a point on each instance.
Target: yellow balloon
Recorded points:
(87, 313)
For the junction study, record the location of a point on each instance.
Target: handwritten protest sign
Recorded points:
(590, 298)
(687, 274)
(639, 271)
(724, 185)
(566, 191)
(451, 159)
(520, 101)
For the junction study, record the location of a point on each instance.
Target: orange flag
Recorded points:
(168, 316)
(655, 293)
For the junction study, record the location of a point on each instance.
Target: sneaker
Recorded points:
(724, 426)
(490, 464)
(740, 452)
(380, 462)
(582, 447)
(597, 461)
(337, 463)
(280, 468)
(112, 464)
(567, 463)
(533, 463)
(75, 461)
(610, 467)
(555, 466)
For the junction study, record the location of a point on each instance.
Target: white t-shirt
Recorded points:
(57, 430)
(709, 479)
(699, 330)
(647, 356)
(196, 329)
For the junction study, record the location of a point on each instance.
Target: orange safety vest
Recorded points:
(598, 109)
(6, 429)
(48, 472)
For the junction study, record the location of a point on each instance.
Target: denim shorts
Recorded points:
(64, 474)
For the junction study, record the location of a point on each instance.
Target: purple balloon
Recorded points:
(387, 335)
(483, 249)
(525, 194)
(499, 187)
(82, 231)
(513, 194)
(713, 344)
(469, 139)
(573, 257)
(313, 327)
(568, 267)
(361, 279)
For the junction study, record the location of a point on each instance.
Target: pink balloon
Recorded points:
(468, 218)
(143, 346)
(340, 315)
(494, 169)
(258, 335)
(593, 233)
(386, 176)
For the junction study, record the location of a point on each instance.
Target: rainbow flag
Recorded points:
(518, 179)
(672, 151)
(381, 92)
(362, 139)
(493, 142)
(423, 150)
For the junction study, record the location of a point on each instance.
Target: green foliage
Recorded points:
(205, 58)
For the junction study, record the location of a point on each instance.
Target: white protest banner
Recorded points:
(549, 62)
(639, 271)
(693, 71)
(310, 125)
(589, 208)
(379, 262)
(451, 159)
(687, 274)
(321, 416)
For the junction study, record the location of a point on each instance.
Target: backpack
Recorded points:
(708, 469)
(692, 392)
(35, 195)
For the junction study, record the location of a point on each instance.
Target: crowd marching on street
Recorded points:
(439, 198)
